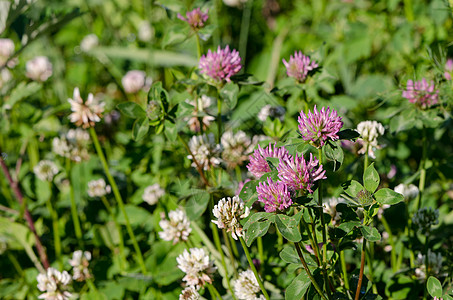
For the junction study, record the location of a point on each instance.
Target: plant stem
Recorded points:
(118, 198)
(213, 291)
(74, 213)
(391, 241)
(219, 118)
(245, 25)
(344, 270)
(16, 264)
(252, 266)
(307, 270)
(56, 231)
(362, 266)
(120, 234)
(198, 54)
(259, 242)
(421, 184)
(312, 241)
(230, 251)
(324, 231)
(20, 198)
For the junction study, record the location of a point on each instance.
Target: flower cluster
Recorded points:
(134, 81)
(153, 193)
(330, 207)
(421, 93)
(369, 132)
(205, 151)
(221, 65)
(6, 51)
(45, 170)
(299, 66)
(228, 212)
(258, 165)
(434, 264)
(189, 293)
(195, 18)
(274, 195)
(98, 188)
(424, 218)
(318, 127)
(246, 287)
(54, 284)
(80, 262)
(87, 113)
(448, 69)
(39, 68)
(200, 105)
(277, 112)
(197, 266)
(73, 145)
(409, 191)
(5, 77)
(89, 42)
(177, 228)
(235, 148)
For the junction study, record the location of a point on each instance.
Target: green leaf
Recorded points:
(348, 134)
(388, 196)
(288, 228)
(298, 287)
(248, 191)
(371, 178)
(335, 153)
(348, 226)
(197, 204)
(138, 216)
(140, 129)
(434, 287)
(352, 188)
(370, 233)
(22, 91)
(171, 132)
(257, 225)
(131, 110)
(289, 255)
(229, 93)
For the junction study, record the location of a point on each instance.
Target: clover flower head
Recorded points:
(39, 68)
(434, 264)
(330, 207)
(197, 266)
(80, 262)
(98, 188)
(134, 81)
(246, 287)
(409, 191)
(421, 93)
(236, 147)
(200, 105)
(299, 66)
(319, 126)
(205, 151)
(5, 77)
(195, 18)
(87, 113)
(424, 218)
(219, 66)
(73, 145)
(369, 132)
(300, 174)
(258, 165)
(55, 284)
(89, 42)
(153, 193)
(229, 212)
(45, 170)
(448, 69)
(189, 293)
(277, 112)
(274, 195)
(6, 50)
(176, 228)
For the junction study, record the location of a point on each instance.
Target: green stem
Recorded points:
(213, 291)
(344, 270)
(245, 25)
(74, 213)
(230, 251)
(56, 231)
(92, 286)
(312, 241)
(421, 184)
(391, 242)
(16, 264)
(216, 35)
(118, 198)
(219, 118)
(198, 54)
(362, 266)
(252, 266)
(259, 242)
(369, 257)
(324, 231)
(307, 270)
(120, 234)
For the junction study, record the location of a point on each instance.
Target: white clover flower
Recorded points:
(189, 293)
(434, 264)
(89, 42)
(246, 287)
(369, 132)
(152, 194)
(78, 136)
(235, 147)
(39, 68)
(268, 110)
(6, 50)
(80, 262)
(5, 77)
(205, 151)
(177, 228)
(45, 170)
(98, 188)
(330, 207)
(73, 145)
(229, 211)
(54, 284)
(197, 266)
(234, 3)
(409, 191)
(145, 31)
(133, 81)
(87, 113)
(200, 105)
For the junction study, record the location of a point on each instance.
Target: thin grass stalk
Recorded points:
(56, 231)
(74, 213)
(118, 198)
